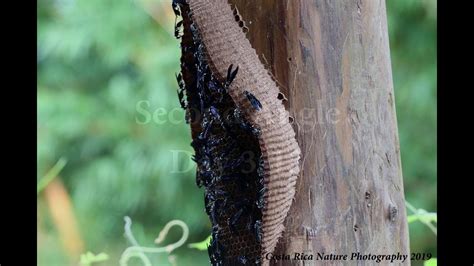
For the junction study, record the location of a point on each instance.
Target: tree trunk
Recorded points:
(331, 60)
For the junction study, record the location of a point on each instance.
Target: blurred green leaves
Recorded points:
(96, 60)
(50, 175)
(431, 262)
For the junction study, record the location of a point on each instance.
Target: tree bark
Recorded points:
(331, 60)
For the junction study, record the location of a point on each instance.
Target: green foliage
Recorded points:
(201, 245)
(89, 258)
(431, 262)
(98, 59)
(50, 175)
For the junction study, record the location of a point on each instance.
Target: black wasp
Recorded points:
(175, 4)
(231, 74)
(179, 79)
(253, 100)
(242, 259)
(258, 231)
(177, 12)
(177, 30)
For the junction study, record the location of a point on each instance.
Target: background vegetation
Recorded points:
(98, 59)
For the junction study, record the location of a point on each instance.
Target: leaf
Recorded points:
(431, 262)
(201, 245)
(89, 258)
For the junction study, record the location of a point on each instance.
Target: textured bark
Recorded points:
(331, 60)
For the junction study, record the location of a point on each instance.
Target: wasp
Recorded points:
(243, 124)
(242, 259)
(253, 101)
(179, 79)
(231, 74)
(216, 117)
(243, 209)
(177, 12)
(176, 4)
(258, 230)
(260, 202)
(177, 30)
(235, 218)
(215, 202)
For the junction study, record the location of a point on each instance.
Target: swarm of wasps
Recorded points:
(227, 152)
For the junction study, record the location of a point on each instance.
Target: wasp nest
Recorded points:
(245, 148)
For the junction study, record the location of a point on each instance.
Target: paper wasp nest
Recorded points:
(245, 148)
